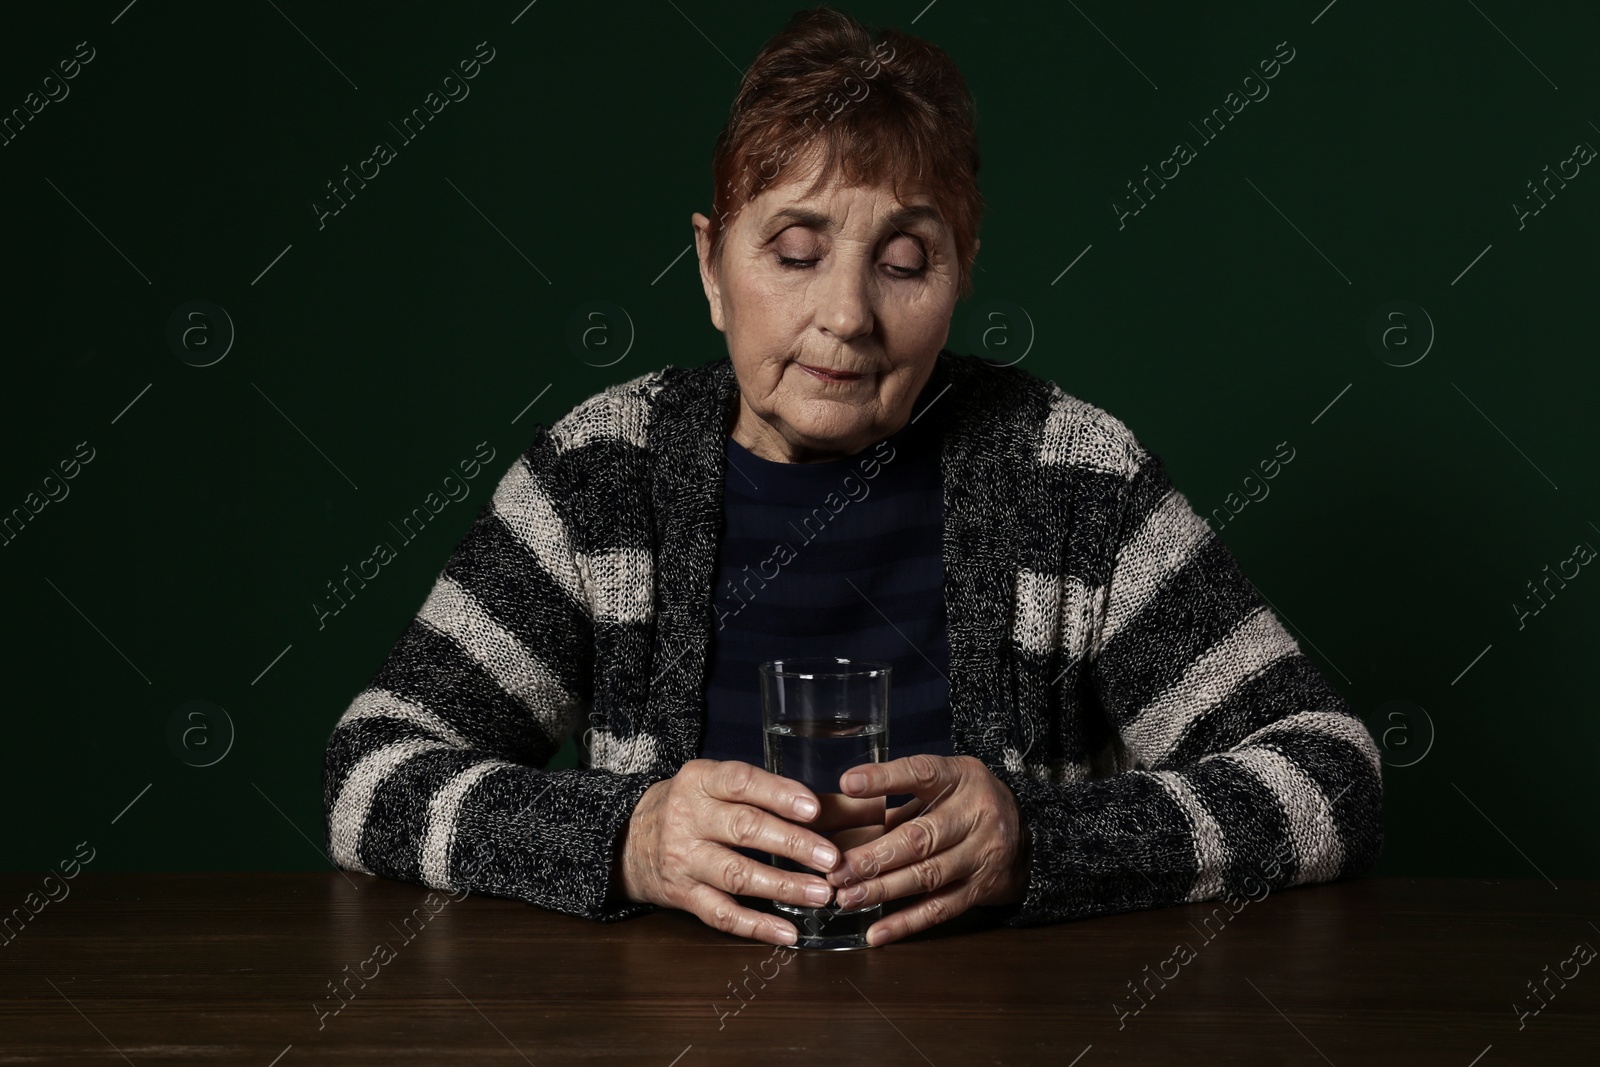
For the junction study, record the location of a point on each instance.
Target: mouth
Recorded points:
(826, 375)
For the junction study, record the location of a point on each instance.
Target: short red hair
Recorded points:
(896, 110)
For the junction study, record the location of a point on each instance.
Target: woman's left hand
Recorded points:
(960, 840)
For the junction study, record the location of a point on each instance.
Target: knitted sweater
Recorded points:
(1165, 738)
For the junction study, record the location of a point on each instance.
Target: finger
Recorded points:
(721, 912)
(932, 910)
(858, 863)
(922, 774)
(751, 827)
(915, 839)
(722, 868)
(744, 783)
(957, 864)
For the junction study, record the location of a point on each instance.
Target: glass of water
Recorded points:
(820, 717)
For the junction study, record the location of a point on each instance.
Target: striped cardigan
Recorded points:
(1165, 737)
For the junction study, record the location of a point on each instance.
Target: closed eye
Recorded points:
(897, 271)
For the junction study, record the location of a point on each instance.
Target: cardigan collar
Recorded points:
(695, 411)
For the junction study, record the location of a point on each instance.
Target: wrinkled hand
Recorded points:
(675, 849)
(960, 840)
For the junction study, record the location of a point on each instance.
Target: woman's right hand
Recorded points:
(675, 849)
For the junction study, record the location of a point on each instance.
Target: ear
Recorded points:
(708, 268)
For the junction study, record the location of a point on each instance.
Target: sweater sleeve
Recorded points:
(433, 774)
(1241, 768)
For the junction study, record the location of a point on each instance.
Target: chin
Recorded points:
(829, 428)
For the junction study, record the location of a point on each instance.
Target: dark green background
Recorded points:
(409, 329)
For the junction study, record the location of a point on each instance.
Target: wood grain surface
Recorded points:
(325, 967)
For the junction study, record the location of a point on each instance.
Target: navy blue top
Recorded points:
(839, 558)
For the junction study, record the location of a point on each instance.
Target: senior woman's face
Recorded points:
(835, 308)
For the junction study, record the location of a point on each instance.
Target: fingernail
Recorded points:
(818, 894)
(806, 808)
(854, 781)
(787, 935)
(824, 857)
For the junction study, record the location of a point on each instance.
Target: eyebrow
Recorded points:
(899, 218)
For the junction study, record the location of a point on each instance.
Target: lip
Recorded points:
(825, 375)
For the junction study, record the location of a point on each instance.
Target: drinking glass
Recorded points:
(821, 716)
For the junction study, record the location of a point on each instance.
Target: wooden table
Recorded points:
(241, 969)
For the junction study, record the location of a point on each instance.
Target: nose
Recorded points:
(844, 299)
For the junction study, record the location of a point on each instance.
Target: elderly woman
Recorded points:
(1094, 710)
